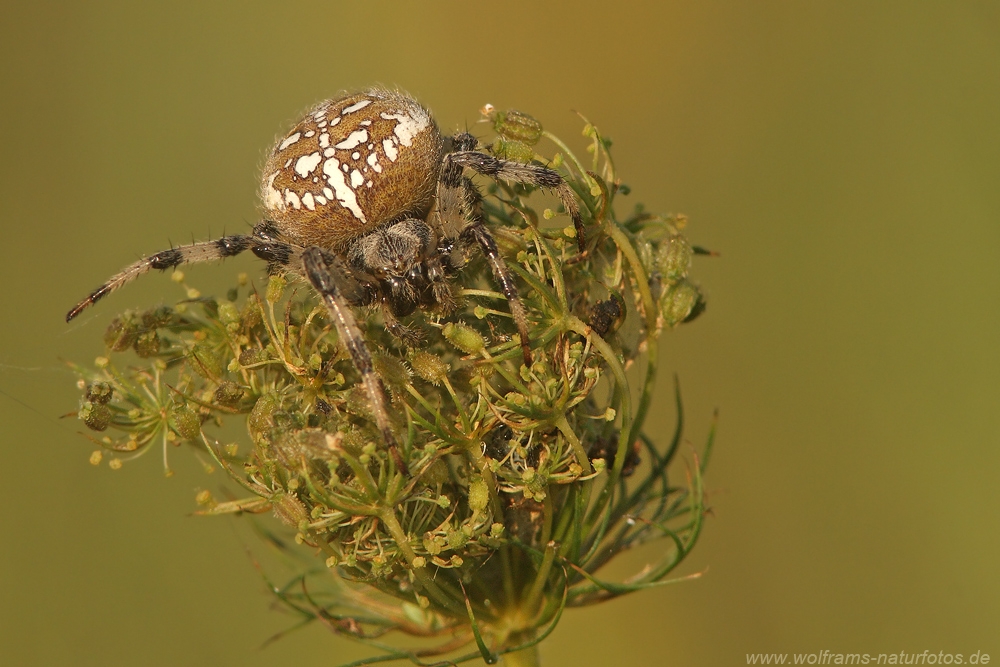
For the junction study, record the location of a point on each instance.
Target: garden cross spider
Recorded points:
(369, 203)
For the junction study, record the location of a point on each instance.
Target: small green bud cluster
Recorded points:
(517, 134)
(680, 300)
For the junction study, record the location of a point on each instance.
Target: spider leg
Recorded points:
(460, 218)
(529, 174)
(440, 289)
(407, 335)
(477, 231)
(319, 275)
(206, 251)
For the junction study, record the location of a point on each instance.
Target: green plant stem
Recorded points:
(430, 586)
(578, 450)
(538, 586)
(526, 657)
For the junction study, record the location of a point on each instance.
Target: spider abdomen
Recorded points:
(351, 165)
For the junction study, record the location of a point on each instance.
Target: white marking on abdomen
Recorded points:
(407, 125)
(390, 150)
(307, 201)
(272, 198)
(292, 199)
(345, 195)
(356, 178)
(306, 164)
(354, 107)
(289, 141)
(353, 139)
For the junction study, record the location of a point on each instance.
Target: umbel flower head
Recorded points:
(523, 482)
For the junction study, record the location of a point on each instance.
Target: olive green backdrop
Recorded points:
(843, 157)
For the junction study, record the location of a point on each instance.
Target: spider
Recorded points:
(369, 203)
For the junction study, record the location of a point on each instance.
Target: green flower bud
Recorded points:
(516, 126)
(157, 317)
(464, 337)
(673, 258)
(96, 416)
(678, 302)
(121, 333)
(457, 539)
(275, 287)
(207, 362)
(432, 545)
(228, 313)
(251, 356)
(228, 393)
(479, 494)
(185, 422)
(436, 473)
(252, 315)
(289, 509)
(517, 151)
(147, 344)
(392, 371)
(429, 367)
(99, 392)
(261, 417)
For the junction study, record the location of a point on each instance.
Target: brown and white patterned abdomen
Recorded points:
(350, 166)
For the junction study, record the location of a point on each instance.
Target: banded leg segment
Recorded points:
(320, 278)
(460, 219)
(478, 232)
(206, 251)
(528, 174)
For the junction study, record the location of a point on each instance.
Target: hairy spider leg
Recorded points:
(320, 277)
(315, 265)
(338, 293)
(527, 174)
(460, 218)
(309, 263)
(206, 251)
(478, 232)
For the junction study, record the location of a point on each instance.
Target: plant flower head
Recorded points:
(522, 481)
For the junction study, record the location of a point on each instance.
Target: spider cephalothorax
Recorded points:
(369, 203)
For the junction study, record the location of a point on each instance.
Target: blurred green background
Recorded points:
(844, 158)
